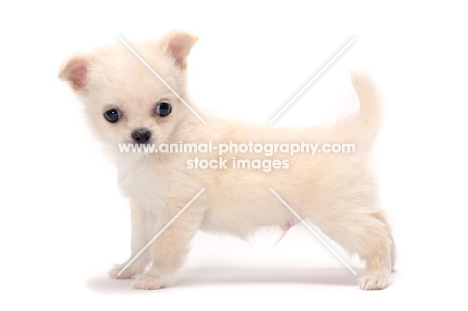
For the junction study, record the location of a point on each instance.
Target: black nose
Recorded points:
(141, 135)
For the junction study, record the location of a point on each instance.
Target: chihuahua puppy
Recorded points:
(126, 103)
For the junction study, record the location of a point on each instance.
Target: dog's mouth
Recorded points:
(132, 147)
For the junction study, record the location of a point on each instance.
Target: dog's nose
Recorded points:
(141, 135)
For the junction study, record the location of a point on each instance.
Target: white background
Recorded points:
(63, 222)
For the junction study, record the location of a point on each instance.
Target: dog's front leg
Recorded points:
(142, 224)
(168, 251)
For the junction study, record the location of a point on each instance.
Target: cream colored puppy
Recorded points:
(126, 103)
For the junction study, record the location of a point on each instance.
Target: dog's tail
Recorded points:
(364, 126)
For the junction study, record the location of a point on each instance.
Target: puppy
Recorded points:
(126, 103)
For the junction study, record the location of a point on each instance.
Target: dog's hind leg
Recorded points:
(366, 234)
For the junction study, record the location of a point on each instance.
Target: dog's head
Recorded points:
(124, 100)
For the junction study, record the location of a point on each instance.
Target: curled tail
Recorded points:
(364, 126)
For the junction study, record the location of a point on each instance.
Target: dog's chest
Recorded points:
(143, 180)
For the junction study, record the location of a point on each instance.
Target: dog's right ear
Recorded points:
(75, 72)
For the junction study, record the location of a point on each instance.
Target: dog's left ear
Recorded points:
(178, 45)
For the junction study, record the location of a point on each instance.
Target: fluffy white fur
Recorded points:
(338, 192)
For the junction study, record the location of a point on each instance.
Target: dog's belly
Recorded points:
(243, 221)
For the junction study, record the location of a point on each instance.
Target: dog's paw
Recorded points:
(373, 282)
(117, 273)
(154, 278)
(144, 281)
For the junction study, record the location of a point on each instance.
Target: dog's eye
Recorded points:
(112, 115)
(163, 109)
